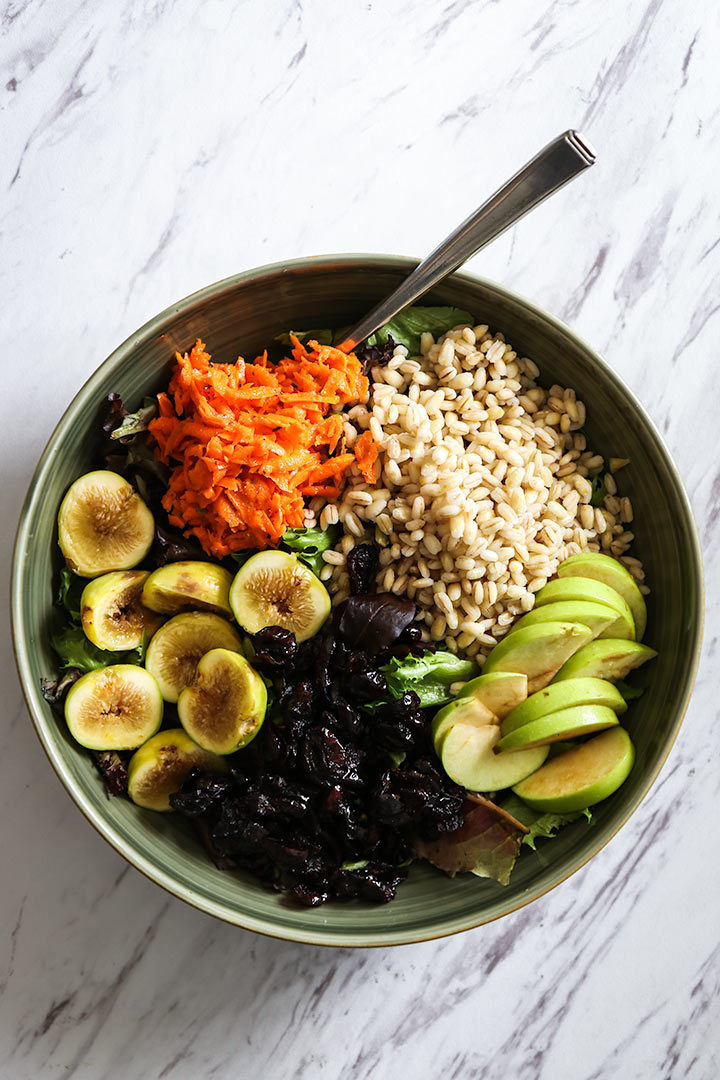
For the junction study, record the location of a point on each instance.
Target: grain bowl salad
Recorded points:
(342, 612)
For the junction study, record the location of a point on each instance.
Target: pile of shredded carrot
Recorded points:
(250, 442)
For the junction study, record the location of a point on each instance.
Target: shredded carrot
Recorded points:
(366, 452)
(249, 442)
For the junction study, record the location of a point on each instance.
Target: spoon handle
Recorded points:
(547, 172)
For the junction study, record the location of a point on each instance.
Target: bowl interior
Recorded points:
(241, 315)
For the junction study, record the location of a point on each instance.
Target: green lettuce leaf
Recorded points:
(69, 593)
(541, 825)
(241, 557)
(134, 423)
(75, 651)
(599, 491)
(309, 544)
(406, 328)
(430, 675)
(323, 337)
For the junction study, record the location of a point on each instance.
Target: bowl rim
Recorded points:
(154, 326)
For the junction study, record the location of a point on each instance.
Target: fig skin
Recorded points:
(273, 588)
(224, 707)
(103, 525)
(114, 708)
(157, 770)
(175, 650)
(124, 627)
(202, 586)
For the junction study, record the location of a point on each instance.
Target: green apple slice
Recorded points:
(538, 651)
(607, 659)
(566, 724)
(588, 590)
(592, 564)
(596, 617)
(580, 777)
(469, 758)
(469, 711)
(501, 691)
(564, 695)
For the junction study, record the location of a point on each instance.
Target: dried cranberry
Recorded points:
(112, 766)
(361, 565)
(400, 724)
(378, 881)
(297, 705)
(275, 647)
(362, 681)
(200, 793)
(329, 761)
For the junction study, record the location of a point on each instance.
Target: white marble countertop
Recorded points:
(152, 147)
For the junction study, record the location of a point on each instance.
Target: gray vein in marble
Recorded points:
(455, 11)
(609, 82)
(72, 93)
(616, 968)
(13, 947)
(99, 1011)
(584, 288)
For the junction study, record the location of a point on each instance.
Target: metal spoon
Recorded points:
(560, 161)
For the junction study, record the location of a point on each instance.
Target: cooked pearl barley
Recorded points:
(482, 487)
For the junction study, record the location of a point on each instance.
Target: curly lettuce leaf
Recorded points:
(309, 544)
(75, 651)
(408, 325)
(486, 844)
(429, 675)
(540, 825)
(135, 423)
(69, 593)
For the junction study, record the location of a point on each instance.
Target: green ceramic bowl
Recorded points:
(241, 314)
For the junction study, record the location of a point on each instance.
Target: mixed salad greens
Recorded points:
(320, 750)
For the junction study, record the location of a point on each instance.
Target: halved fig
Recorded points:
(203, 586)
(103, 525)
(223, 708)
(274, 589)
(157, 770)
(112, 612)
(114, 708)
(173, 654)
